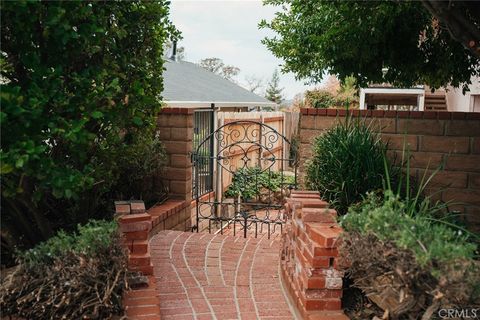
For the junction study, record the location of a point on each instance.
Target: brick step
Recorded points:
(435, 97)
(435, 102)
(436, 107)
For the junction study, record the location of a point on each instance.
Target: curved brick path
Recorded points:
(207, 276)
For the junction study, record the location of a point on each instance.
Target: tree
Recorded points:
(360, 38)
(273, 91)
(254, 84)
(81, 84)
(217, 66)
(332, 85)
(461, 19)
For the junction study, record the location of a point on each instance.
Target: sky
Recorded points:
(229, 30)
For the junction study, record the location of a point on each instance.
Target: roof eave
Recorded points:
(219, 104)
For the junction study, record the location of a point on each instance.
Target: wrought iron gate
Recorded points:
(252, 175)
(202, 175)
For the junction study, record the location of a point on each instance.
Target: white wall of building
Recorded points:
(468, 102)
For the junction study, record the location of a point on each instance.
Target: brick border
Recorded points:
(137, 227)
(309, 266)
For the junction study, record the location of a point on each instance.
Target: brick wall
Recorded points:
(450, 139)
(138, 225)
(309, 257)
(175, 127)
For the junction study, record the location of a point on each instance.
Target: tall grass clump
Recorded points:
(347, 162)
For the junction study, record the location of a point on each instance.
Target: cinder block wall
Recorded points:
(448, 139)
(175, 127)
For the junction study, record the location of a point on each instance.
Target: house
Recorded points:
(187, 85)
(421, 98)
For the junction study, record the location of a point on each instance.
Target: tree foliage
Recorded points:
(81, 84)
(217, 66)
(360, 38)
(273, 91)
(461, 19)
(333, 94)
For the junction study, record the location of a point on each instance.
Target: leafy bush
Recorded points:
(71, 276)
(249, 182)
(319, 99)
(388, 220)
(345, 96)
(91, 238)
(392, 278)
(80, 96)
(347, 162)
(404, 258)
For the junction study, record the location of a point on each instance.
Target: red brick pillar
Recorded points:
(309, 257)
(135, 225)
(175, 127)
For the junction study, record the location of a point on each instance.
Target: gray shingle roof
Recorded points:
(186, 83)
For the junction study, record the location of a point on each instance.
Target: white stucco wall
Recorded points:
(456, 101)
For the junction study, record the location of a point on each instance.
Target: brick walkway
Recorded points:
(207, 276)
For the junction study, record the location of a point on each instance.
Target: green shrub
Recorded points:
(70, 276)
(394, 245)
(388, 219)
(91, 238)
(80, 95)
(347, 162)
(319, 99)
(249, 182)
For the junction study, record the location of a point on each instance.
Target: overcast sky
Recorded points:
(229, 30)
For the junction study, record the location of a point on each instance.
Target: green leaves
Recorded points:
(388, 220)
(360, 38)
(137, 121)
(93, 237)
(97, 114)
(66, 69)
(73, 69)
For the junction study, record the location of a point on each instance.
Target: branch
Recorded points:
(460, 27)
